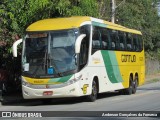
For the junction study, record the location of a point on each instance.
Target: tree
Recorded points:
(16, 15)
(141, 15)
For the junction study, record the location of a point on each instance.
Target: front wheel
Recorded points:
(3, 87)
(93, 96)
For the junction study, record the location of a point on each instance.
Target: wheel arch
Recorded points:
(131, 75)
(97, 82)
(136, 75)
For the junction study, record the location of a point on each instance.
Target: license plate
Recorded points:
(48, 93)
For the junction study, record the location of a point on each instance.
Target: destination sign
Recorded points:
(37, 35)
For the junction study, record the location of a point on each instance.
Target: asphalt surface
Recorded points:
(147, 98)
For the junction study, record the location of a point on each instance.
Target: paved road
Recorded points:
(147, 98)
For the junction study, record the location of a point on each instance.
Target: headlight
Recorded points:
(25, 83)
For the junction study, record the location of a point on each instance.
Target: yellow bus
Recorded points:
(80, 56)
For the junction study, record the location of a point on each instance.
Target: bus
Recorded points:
(80, 56)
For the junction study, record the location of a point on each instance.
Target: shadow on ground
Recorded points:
(17, 100)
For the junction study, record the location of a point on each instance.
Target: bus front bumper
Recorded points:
(72, 90)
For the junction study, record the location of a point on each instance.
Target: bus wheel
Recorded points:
(3, 88)
(134, 89)
(94, 93)
(129, 90)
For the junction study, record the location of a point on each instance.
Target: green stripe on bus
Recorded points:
(111, 66)
(60, 80)
(99, 24)
(115, 66)
(108, 66)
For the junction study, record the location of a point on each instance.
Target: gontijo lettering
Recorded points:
(128, 58)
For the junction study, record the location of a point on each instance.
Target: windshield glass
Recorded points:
(35, 48)
(49, 54)
(62, 51)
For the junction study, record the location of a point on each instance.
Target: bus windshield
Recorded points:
(49, 54)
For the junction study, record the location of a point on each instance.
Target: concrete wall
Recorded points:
(152, 66)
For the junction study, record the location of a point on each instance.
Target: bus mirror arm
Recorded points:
(14, 47)
(78, 43)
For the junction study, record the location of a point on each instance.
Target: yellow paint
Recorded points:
(85, 86)
(126, 68)
(36, 80)
(57, 23)
(97, 62)
(125, 29)
(71, 22)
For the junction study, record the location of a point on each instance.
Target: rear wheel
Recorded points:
(93, 96)
(129, 90)
(135, 84)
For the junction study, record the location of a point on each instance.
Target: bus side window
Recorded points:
(135, 44)
(96, 41)
(104, 38)
(117, 41)
(114, 40)
(84, 50)
(129, 42)
(140, 42)
(122, 41)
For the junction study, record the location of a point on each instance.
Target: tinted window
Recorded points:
(140, 42)
(122, 41)
(135, 43)
(96, 40)
(83, 56)
(114, 40)
(104, 38)
(129, 42)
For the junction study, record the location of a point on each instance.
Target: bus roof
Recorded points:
(73, 22)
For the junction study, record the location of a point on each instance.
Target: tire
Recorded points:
(121, 92)
(1, 97)
(135, 84)
(4, 88)
(129, 90)
(93, 96)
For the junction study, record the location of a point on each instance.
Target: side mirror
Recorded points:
(78, 43)
(14, 47)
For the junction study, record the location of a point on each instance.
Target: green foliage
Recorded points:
(142, 15)
(104, 9)
(16, 15)
(77, 8)
(25, 12)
